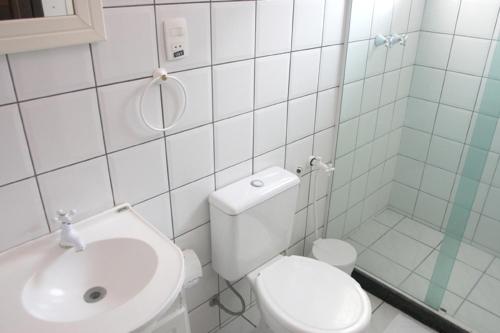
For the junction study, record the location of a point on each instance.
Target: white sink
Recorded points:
(127, 274)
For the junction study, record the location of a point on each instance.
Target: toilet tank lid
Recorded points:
(253, 190)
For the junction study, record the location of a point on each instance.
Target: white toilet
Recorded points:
(251, 223)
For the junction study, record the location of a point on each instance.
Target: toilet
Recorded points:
(251, 224)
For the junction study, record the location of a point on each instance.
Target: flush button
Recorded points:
(257, 183)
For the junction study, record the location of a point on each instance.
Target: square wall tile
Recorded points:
(157, 211)
(323, 145)
(468, 23)
(16, 161)
(361, 19)
(190, 205)
(233, 174)
(301, 113)
(409, 172)
(460, 90)
(389, 87)
(444, 153)
(198, 83)
(139, 173)
(329, 71)
(270, 159)
(233, 30)
(297, 154)
(487, 233)
(270, 128)
(6, 89)
(343, 170)
(414, 144)
(326, 108)
(271, 79)
(351, 101)
(304, 72)
(233, 88)
(366, 130)
(437, 182)
(356, 63)
(440, 15)
(469, 55)
(427, 83)
(420, 114)
(384, 119)
(382, 17)
(434, 49)
(411, 49)
(197, 17)
(197, 240)
(84, 187)
(361, 160)
(348, 132)
(23, 212)
(333, 29)
(452, 123)
(60, 70)
(233, 141)
(375, 62)
(401, 15)
(129, 51)
(371, 93)
(63, 129)
(416, 14)
(190, 155)
(491, 207)
(308, 24)
(121, 122)
(274, 26)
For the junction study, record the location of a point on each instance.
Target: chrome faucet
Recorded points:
(69, 236)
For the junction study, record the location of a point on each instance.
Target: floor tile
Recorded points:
(382, 318)
(389, 217)
(478, 319)
(369, 232)
(474, 257)
(402, 249)
(375, 301)
(403, 323)
(494, 269)
(486, 294)
(382, 267)
(253, 315)
(462, 279)
(417, 286)
(419, 232)
(240, 325)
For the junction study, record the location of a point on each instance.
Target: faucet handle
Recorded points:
(65, 217)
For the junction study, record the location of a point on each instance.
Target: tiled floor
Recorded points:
(385, 319)
(403, 252)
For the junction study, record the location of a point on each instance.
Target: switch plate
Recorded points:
(176, 38)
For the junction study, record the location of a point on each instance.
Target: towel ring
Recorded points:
(160, 75)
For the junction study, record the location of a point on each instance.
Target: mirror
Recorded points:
(23, 9)
(27, 25)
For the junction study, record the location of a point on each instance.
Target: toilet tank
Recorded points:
(252, 221)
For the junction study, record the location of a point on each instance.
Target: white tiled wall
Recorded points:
(457, 39)
(377, 85)
(262, 79)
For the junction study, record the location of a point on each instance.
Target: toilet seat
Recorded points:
(309, 296)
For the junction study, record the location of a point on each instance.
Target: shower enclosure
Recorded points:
(416, 187)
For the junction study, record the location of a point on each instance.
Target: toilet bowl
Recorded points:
(251, 223)
(303, 295)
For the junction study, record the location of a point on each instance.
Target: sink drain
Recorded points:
(94, 294)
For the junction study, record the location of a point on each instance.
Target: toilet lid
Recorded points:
(307, 295)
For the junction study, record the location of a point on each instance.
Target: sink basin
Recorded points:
(128, 273)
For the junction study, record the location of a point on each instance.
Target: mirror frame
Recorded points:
(85, 26)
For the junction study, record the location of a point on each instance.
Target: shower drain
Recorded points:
(94, 294)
